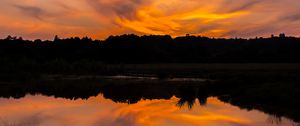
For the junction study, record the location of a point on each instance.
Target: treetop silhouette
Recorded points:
(130, 48)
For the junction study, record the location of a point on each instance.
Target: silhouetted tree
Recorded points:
(130, 48)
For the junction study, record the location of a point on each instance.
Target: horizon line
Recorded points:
(173, 37)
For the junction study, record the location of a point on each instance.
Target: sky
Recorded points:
(98, 19)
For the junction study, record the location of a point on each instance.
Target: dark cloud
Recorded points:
(31, 11)
(245, 6)
(293, 17)
(125, 10)
(208, 27)
(122, 8)
(234, 6)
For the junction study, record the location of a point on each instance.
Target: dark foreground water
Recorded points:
(135, 103)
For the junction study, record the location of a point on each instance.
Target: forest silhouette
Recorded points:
(130, 48)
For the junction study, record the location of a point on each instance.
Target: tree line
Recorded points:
(130, 48)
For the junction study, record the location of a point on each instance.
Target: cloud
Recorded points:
(127, 120)
(121, 8)
(244, 6)
(31, 11)
(293, 17)
(100, 18)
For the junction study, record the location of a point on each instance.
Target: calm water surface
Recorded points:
(39, 110)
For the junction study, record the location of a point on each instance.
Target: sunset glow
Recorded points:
(101, 18)
(48, 111)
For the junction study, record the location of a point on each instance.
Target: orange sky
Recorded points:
(48, 111)
(100, 18)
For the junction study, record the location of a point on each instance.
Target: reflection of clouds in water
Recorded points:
(128, 120)
(48, 111)
(31, 120)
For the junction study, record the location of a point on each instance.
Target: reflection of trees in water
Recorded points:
(277, 120)
(273, 119)
(188, 94)
(190, 102)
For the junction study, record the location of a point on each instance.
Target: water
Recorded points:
(40, 110)
(123, 101)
